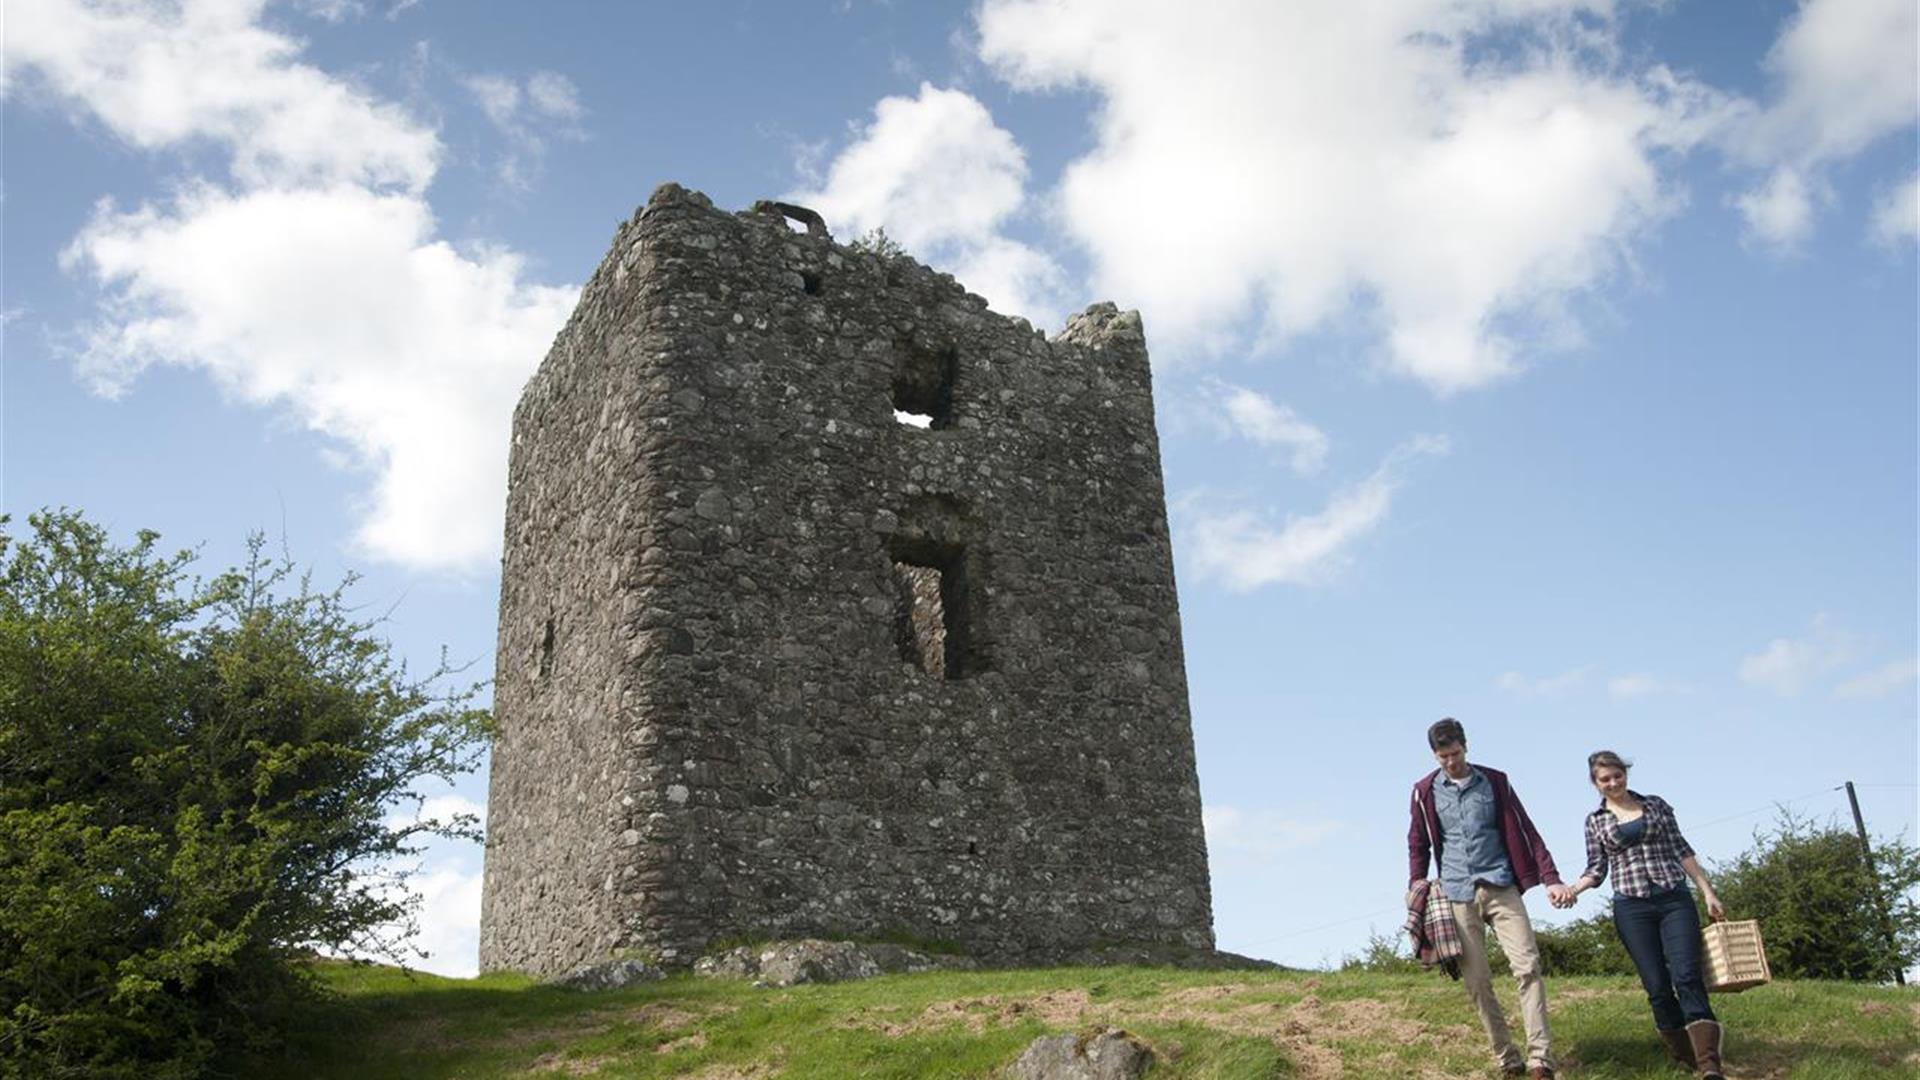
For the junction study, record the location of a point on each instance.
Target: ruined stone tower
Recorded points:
(774, 663)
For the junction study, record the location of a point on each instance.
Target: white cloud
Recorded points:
(448, 917)
(315, 281)
(1846, 77)
(942, 179)
(1787, 665)
(1780, 212)
(160, 74)
(1246, 551)
(340, 305)
(1257, 417)
(549, 105)
(1881, 681)
(1260, 834)
(333, 11)
(1455, 169)
(1896, 215)
(1546, 686)
(445, 887)
(931, 169)
(1016, 279)
(499, 97)
(1635, 685)
(437, 808)
(554, 95)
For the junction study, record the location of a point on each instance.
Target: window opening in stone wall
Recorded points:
(938, 567)
(809, 282)
(934, 608)
(798, 218)
(546, 651)
(923, 386)
(922, 617)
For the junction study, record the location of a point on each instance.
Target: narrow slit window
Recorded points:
(546, 651)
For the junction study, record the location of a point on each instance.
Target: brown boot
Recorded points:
(1705, 1036)
(1679, 1047)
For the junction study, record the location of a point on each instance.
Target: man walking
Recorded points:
(1487, 852)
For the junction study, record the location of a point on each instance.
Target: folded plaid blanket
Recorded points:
(1435, 932)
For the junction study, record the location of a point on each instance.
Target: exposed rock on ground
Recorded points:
(610, 975)
(1111, 1055)
(790, 963)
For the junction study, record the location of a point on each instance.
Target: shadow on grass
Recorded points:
(1623, 1057)
(1800, 1061)
(1620, 1055)
(426, 1026)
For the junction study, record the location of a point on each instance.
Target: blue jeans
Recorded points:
(1662, 934)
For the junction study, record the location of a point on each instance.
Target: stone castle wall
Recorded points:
(773, 663)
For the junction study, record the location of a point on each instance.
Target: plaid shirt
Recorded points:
(1641, 868)
(1431, 925)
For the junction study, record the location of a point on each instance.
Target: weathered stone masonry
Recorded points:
(773, 663)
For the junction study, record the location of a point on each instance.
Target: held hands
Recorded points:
(1560, 896)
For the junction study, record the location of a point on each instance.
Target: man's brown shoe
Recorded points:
(1539, 1072)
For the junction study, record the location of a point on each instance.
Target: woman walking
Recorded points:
(1636, 837)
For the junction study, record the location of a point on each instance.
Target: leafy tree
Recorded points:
(195, 781)
(1820, 910)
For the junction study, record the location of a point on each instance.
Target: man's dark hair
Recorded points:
(1446, 732)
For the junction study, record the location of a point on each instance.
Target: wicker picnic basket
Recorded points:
(1736, 957)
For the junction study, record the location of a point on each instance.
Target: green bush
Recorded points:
(1384, 954)
(1588, 946)
(877, 242)
(195, 778)
(1820, 910)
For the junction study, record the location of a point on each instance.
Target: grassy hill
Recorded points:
(388, 1023)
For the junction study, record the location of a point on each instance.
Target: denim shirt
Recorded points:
(1472, 851)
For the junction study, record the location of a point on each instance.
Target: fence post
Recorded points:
(1873, 878)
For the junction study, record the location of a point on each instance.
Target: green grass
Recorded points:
(386, 1023)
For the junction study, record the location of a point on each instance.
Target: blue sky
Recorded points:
(1549, 364)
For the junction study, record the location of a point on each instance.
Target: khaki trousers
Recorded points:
(1503, 908)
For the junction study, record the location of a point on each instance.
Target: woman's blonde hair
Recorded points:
(1606, 758)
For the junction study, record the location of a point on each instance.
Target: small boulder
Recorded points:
(1111, 1055)
(610, 975)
